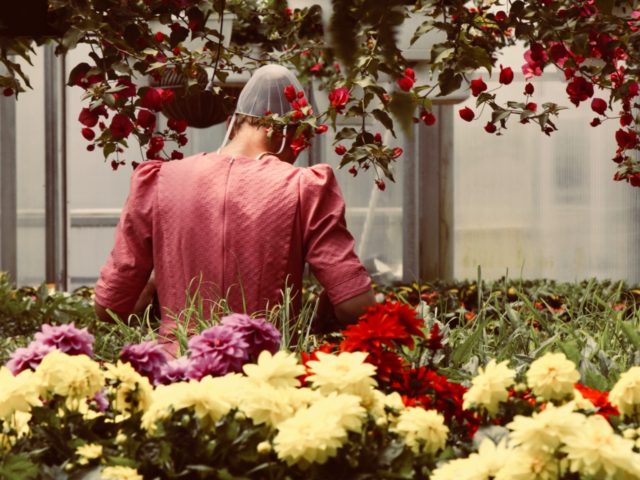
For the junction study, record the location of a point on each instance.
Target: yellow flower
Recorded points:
(625, 394)
(552, 376)
(74, 376)
(14, 428)
(266, 404)
(280, 370)
(120, 473)
(346, 372)
(595, 451)
(264, 448)
(489, 387)
(461, 468)
(314, 434)
(581, 403)
(524, 464)
(88, 452)
(205, 402)
(17, 394)
(132, 391)
(546, 430)
(422, 430)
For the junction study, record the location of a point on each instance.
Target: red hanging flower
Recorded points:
(339, 98)
(121, 126)
(478, 86)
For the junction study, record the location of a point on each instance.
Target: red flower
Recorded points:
(182, 140)
(599, 399)
(501, 16)
(299, 144)
(155, 145)
(532, 106)
(316, 68)
(88, 133)
(528, 89)
(377, 138)
(178, 126)
(595, 122)
(176, 155)
(634, 89)
(121, 126)
(506, 75)
(290, 93)
(159, 36)
(340, 149)
(320, 129)
(478, 86)
(396, 153)
(626, 139)
(7, 92)
(297, 115)
(428, 118)
(155, 98)
(409, 72)
(353, 171)
(626, 119)
(339, 98)
(435, 338)
(579, 89)
(146, 119)
(599, 105)
(490, 128)
(129, 89)
(405, 83)
(380, 184)
(634, 180)
(88, 118)
(466, 114)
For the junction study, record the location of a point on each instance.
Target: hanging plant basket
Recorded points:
(201, 108)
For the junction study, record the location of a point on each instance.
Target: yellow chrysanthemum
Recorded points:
(280, 370)
(17, 394)
(76, 377)
(15, 427)
(206, 403)
(346, 372)
(132, 391)
(524, 464)
(461, 468)
(302, 397)
(546, 430)
(625, 394)
(489, 387)
(88, 452)
(315, 434)
(422, 430)
(264, 404)
(579, 402)
(229, 388)
(595, 451)
(120, 473)
(552, 376)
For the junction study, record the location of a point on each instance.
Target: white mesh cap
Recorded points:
(264, 92)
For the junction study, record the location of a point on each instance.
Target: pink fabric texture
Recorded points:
(239, 228)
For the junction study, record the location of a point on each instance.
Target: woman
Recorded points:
(242, 221)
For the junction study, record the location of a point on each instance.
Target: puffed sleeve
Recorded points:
(130, 263)
(328, 245)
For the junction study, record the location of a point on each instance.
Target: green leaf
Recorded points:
(71, 38)
(18, 467)
(449, 82)
(403, 106)
(346, 133)
(632, 333)
(384, 119)
(463, 352)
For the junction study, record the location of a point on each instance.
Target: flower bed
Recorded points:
(375, 401)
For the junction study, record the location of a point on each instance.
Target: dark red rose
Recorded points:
(501, 16)
(595, 122)
(377, 138)
(91, 148)
(290, 93)
(88, 134)
(353, 171)
(339, 98)
(579, 89)
(182, 140)
(478, 86)
(176, 155)
(154, 99)
(532, 106)
(156, 143)
(633, 89)
(466, 114)
(380, 184)
(559, 53)
(178, 126)
(626, 139)
(528, 89)
(298, 144)
(634, 180)
(409, 72)
(129, 89)
(159, 36)
(405, 83)
(490, 127)
(297, 115)
(146, 119)
(599, 105)
(626, 119)
(7, 92)
(340, 149)
(88, 118)
(320, 129)
(428, 118)
(114, 165)
(316, 68)
(506, 75)
(121, 126)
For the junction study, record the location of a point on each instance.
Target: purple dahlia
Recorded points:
(66, 338)
(256, 332)
(146, 358)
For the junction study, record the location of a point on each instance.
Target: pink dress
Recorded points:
(233, 227)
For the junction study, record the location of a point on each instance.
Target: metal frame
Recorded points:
(56, 218)
(8, 188)
(428, 228)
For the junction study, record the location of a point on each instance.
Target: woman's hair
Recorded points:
(257, 123)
